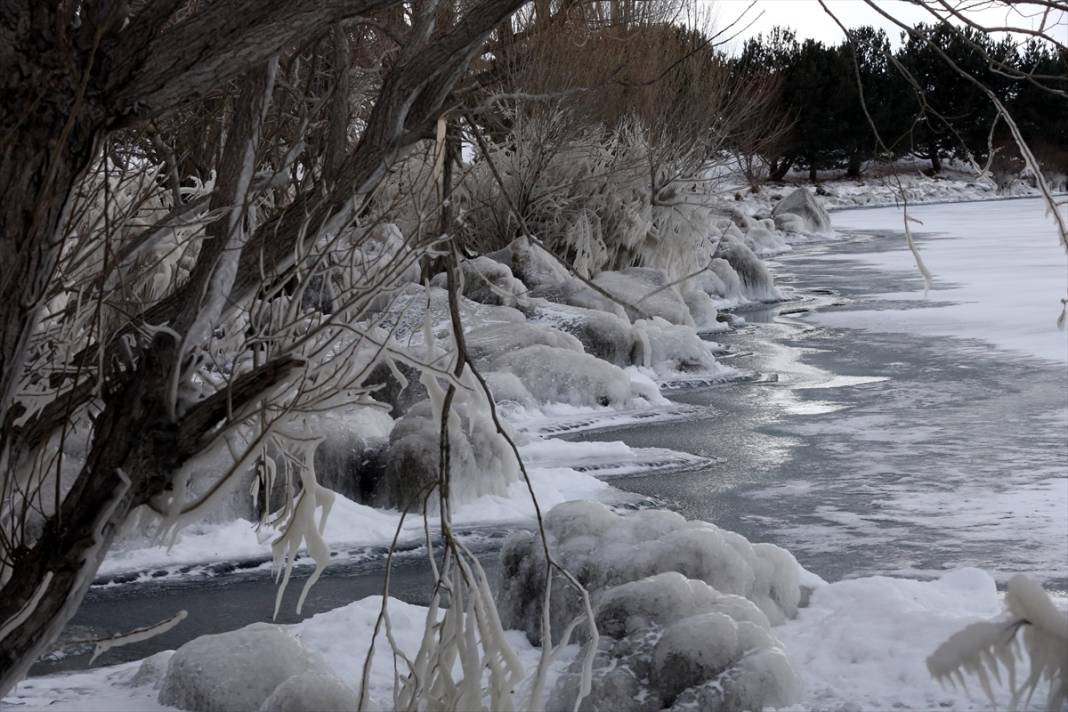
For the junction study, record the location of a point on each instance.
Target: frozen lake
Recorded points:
(906, 434)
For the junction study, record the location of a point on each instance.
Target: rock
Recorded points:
(605, 336)
(487, 281)
(488, 342)
(529, 263)
(235, 671)
(311, 692)
(576, 293)
(800, 212)
(647, 293)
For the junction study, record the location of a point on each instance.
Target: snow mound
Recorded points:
(481, 461)
(672, 642)
(236, 671)
(801, 212)
(604, 549)
(555, 375)
(606, 336)
(647, 292)
(318, 691)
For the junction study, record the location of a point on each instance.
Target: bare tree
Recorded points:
(166, 324)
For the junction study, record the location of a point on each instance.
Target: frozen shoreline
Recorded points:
(856, 643)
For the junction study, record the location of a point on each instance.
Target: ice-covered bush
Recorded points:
(801, 212)
(236, 671)
(604, 549)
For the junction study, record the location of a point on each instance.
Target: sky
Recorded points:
(808, 19)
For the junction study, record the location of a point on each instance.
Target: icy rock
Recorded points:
(481, 461)
(760, 680)
(604, 549)
(151, 670)
(235, 671)
(321, 692)
(555, 375)
(488, 342)
(532, 265)
(800, 212)
(487, 281)
(755, 283)
(703, 310)
(399, 393)
(764, 241)
(646, 292)
(348, 460)
(507, 389)
(576, 293)
(668, 348)
(693, 650)
(606, 336)
(669, 641)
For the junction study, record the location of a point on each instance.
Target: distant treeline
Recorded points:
(918, 103)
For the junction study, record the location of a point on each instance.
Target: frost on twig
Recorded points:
(1033, 631)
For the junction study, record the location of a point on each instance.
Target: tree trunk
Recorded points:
(779, 168)
(853, 170)
(936, 161)
(812, 177)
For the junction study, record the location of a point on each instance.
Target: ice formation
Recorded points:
(647, 292)
(574, 292)
(481, 461)
(605, 549)
(742, 275)
(801, 212)
(318, 691)
(236, 671)
(607, 336)
(346, 461)
(669, 348)
(530, 264)
(555, 375)
(488, 342)
(487, 281)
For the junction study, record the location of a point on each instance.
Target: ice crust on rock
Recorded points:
(481, 462)
(307, 691)
(607, 336)
(742, 276)
(530, 264)
(488, 342)
(605, 549)
(801, 212)
(669, 348)
(487, 281)
(646, 292)
(669, 642)
(576, 293)
(555, 375)
(347, 460)
(236, 671)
